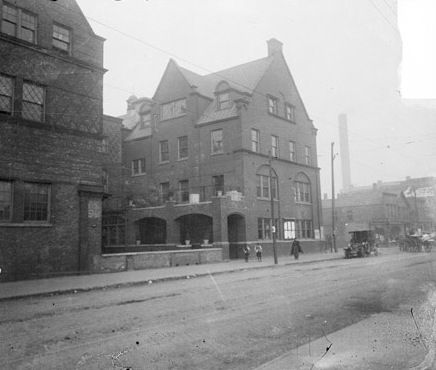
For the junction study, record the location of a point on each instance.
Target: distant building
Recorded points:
(51, 188)
(198, 159)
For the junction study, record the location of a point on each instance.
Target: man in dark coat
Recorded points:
(296, 249)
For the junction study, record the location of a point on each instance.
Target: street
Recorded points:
(237, 320)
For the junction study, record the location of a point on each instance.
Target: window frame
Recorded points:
(293, 152)
(117, 226)
(264, 190)
(164, 193)
(164, 152)
(138, 167)
(275, 146)
(48, 203)
(289, 229)
(218, 184)
(179, 148)
(290, 112)
(60, 40)
(223, 103)
(32, 103)
(303, 192)
(183, 191)
(20, 24)
(255, 141)
(8, 202)
(172, 113)
(273, 105)
(307, 155)
(10, 97)
(220, 147)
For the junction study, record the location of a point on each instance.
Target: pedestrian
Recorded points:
(258, 249)
(246, 252)
(296, 248)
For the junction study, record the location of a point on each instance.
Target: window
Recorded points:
(184, 190)
(264, 228)
(164, 189)
(172, 110)
(61, 38)
(218, 184)
(104, 145)
(5, 200)
(255, 140)
(290, 112)
(224, 101)
(33, 102)
(292, 154)
(164, 151)
(273, 104)
(307, 156)
(105, 180)
(302, 192)
(145, 121)
(304, 229)
(350, 215)
(19, 23)
(263, 187)
(183, 147)
(114, 230)
(6, 94)
(216, 138)
(275, 146)
(289, 229)
(36, 201)
(138, 166)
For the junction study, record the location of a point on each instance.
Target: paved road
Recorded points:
(238, 320)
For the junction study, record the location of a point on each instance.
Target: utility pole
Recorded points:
(333, 198)
(273, 226)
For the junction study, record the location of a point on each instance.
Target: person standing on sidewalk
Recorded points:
(296, 248)
(258, 249)
(246, 252)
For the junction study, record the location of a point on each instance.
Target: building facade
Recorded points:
(51, 188)
(207, 153)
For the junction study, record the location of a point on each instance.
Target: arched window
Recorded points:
(303, 192)
(265, 186)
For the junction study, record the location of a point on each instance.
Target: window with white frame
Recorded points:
(302, 192)
(164, 151)
(264, 189)
(36, 201)
(182, 143)
(292, 152)
(216, 141)
(223, 101)
(61, 38)
(5, 200)
(290, 112)
(6, 94)
(255, 140)
(273, 105)
(307, 155)
(19, 23)
(33, 102)
(173, 109)
(275, 146)
(138, 166)
(288, 229)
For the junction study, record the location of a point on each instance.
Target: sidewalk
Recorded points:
(74, 284)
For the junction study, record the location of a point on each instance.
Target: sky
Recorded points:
(354, 57)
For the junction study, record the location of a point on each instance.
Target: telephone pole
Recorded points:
(333, 198)
(273, 226)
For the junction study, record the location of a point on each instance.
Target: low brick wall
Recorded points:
(146, 260)
(283, 247)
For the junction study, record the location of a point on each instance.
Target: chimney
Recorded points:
(274, 46)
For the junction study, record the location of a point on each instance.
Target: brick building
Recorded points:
(198, 159)
(51, 150)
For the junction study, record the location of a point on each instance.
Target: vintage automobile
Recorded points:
(362, 241)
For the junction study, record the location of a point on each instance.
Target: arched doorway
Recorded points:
(236, 235)
(196, 228)
(151, 230)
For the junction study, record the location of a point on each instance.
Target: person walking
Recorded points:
(296, 248)
(246, 252)
(258, 249)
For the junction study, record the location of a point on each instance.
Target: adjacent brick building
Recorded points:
(51, 149)
(198, 159)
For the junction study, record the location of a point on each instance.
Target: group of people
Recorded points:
(294, 251)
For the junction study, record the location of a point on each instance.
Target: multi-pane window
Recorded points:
(307, 156)
(114, 230)
(304, 229)
(264, 228)
(289, 229)
(173, 109)
(224, 101)
(138, 166)
(5, 200)
(218, 184)
(33, 102)
(292, 155)
(290, 112)
(273, 105)
(19, 23)
(164, 151)
(255, 140)
(36, 201)
(302, 192)
(184, 190)
(216, 140)
(183, 147)
(263, 187)
(275, 146)
(6, 94)
(61, 38)
(164, 189)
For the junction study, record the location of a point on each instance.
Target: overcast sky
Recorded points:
(345, 56)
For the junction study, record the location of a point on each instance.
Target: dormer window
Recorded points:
(290, 112)
(223, 101)
(145, 121)
(61, 38)
(273, 105)
(173, 109)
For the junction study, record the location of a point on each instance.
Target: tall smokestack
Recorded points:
(345, 152)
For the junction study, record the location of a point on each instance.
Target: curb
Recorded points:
(158, 280)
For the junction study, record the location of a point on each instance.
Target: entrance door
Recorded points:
(236, 235)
